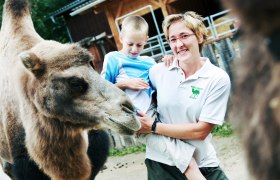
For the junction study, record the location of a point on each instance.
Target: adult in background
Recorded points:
(256, 98)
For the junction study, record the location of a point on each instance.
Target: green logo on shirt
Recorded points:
(195, 92)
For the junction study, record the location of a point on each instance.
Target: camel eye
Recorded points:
(77, 86)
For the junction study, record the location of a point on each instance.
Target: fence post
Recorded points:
(208, 51)
(226, 52)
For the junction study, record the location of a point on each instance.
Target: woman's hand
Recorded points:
(146, 123)
(168, 59)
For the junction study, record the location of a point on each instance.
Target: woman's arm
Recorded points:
(190, 131)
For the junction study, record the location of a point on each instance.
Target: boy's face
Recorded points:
(133, 43)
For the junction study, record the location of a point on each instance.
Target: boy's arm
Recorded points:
(133, 84)
(110, 69)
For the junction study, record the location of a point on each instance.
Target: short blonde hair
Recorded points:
(135, 23)
(192, 20)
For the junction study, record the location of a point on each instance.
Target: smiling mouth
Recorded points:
(182, 51)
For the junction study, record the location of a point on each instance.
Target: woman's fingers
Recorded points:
(168, 60)
(141, 114)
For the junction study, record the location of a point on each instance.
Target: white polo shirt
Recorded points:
(202, 96)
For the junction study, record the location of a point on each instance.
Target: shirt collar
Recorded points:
(204, 72)
(174, 65)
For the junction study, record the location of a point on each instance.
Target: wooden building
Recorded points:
(90, 18)
(86, 18)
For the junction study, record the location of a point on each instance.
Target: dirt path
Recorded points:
(132, 167)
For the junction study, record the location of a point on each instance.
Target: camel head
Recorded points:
(61, 85)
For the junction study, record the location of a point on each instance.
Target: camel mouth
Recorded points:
(123, 128)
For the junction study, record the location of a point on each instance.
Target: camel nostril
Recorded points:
(127, 107)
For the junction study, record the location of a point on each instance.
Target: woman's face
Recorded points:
(183, 42)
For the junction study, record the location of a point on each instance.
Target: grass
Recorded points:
(128, 150)
(222, 131)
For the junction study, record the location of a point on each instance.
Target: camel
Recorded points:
(50, 97)
(256, 97)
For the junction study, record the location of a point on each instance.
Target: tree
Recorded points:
(41, 10)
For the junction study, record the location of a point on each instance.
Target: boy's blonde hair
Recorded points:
(192, 20)
(136, 24)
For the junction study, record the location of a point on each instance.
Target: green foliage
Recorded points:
(129, 150)
(223, 131)
(1, 10)
(41, 10)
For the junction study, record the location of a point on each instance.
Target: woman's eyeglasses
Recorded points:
(182, 38)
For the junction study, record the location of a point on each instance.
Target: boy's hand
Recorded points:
(146, 123)
(134, 84)
(168, 59)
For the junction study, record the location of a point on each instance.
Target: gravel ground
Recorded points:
(132, 167)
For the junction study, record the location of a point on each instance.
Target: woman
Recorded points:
(192, 97)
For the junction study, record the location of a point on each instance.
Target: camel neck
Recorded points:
(66, 150)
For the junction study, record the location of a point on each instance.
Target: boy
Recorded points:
(130, 72)
(125, 68)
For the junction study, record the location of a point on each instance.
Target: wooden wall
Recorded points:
(87, 25)
(115, 9)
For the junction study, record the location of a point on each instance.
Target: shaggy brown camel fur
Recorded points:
(257, 85)
(49, 97)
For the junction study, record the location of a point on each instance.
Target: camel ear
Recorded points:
(32, 63)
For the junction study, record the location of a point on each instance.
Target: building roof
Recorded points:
(73, 6)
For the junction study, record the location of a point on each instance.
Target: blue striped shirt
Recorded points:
(118, 67)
